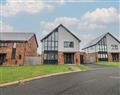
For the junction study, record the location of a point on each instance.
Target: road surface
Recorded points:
(101, 81)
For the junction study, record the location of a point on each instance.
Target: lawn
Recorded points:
(115, 64)
(8, 74)
(14, 73)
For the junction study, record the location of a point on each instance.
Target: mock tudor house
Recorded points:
(14, 47)
(61, 46)
(104, 48)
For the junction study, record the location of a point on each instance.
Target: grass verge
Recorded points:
(9, 74)
(15, 73)
(115, 64)
(84, 68)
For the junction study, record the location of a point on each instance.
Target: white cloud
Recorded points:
(101, 15)
(67, 21)
(86, 25)
(80, 0)
(6, 28)
(13, 7)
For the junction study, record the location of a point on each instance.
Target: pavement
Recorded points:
(74, 67)
(100, 81)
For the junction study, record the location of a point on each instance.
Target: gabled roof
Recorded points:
(96, 40)
(16, 36)
(65, 29)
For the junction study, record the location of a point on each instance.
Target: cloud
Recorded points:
(14, 7)
(86, 25)
(6, 28)
(81, 0)
(67, 21)
(101, 15)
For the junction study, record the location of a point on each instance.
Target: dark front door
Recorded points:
(2, 58)
(115, 57)
(81, 59)
(68, 58)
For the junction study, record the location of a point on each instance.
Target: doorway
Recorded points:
(115, 57)
(69, 58)
(81, 59)
(2, 58)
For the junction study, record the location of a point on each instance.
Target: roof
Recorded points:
(96, 40)
(65, 29)
(16, 36)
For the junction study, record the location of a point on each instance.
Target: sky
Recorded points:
(87, 19)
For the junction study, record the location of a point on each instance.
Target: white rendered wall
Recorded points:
(112, 41)
(66, 36)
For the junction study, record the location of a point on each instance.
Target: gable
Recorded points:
(65, 31)
(64, 35)
(112, 41)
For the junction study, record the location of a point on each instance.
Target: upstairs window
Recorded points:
(68, 44)
(114, 47)
(3, 44)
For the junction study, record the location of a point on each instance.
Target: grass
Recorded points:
(15, 73)
(115, 64)
(9, 74)
(84, 68)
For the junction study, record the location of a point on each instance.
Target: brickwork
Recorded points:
(90, 57)
(22, 49)
(77, 58)
(60, 58)
(109, 57)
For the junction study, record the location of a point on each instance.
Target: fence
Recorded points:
(32, 60)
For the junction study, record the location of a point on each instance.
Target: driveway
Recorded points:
(102, 81)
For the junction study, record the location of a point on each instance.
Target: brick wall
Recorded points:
(109, 57)
(60, 58)
(31, 47)
(22, 49)
(90, 57)
(7, 50)
(77, 58)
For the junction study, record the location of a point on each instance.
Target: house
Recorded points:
(61, 46)
(104, 48)
(14, 47)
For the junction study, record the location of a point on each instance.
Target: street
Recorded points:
(101, 81)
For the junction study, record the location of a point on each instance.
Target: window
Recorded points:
(20, 56)
(51, 42)
(14, 45)
(114, 47)
(102, 46)
(68, 44)
(45, 56)
(3, 44)
(102, 55)
(14, 53)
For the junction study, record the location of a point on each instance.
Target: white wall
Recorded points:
(112, 41)
(66, 36)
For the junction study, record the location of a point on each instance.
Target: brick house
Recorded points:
(61, 46)
(104, 48)
(14, 47)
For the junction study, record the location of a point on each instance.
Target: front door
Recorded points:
(81, 59)
(68, 58)
(115, 57)
(2, 58)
